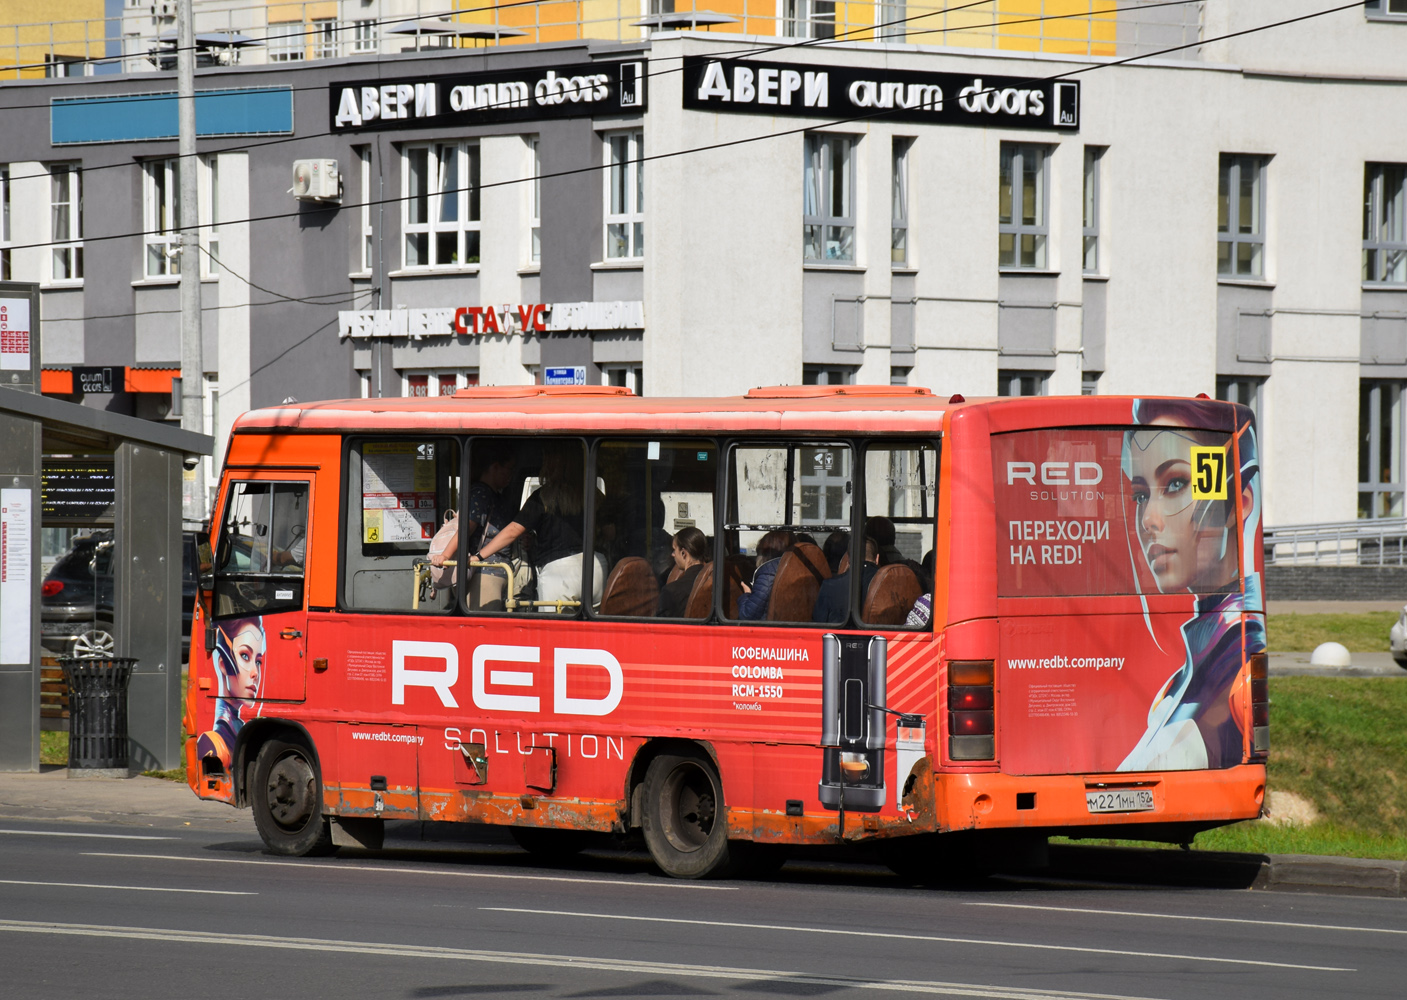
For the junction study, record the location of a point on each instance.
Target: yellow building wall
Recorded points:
(33, 30)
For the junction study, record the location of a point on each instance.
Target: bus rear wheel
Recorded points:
(685, 821)
(286, 797)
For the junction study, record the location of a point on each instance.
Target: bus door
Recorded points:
(259, 620)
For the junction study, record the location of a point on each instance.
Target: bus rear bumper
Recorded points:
(1071, 801)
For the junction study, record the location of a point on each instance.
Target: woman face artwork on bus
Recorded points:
(238, 657)
(1194, 545)
(1188, 544)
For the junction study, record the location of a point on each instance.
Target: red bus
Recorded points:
(572, 609)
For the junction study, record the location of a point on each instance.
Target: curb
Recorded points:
(1218, 870)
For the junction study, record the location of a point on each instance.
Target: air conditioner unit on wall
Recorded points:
(316, 180)
(164, 8)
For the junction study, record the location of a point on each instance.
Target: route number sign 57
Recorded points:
(1210, 473)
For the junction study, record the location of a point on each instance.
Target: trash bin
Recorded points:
(97, 710)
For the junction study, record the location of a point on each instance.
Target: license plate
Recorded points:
(1120, 800)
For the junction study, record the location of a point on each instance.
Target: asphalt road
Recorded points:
(97, 911)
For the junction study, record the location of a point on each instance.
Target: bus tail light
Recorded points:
(1260, 705)
(971, 714)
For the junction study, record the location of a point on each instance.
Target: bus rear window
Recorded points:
(1106, 511)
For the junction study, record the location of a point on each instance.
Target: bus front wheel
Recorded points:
(286, 797)
(685, 822)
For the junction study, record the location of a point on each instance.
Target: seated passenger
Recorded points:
(752, 606)
(833, 602)
(837, 544)
(690, 554)
(555, 513)
(881, 529)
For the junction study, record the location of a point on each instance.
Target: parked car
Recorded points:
(1397, 639)
(84, 626)
(67, 615)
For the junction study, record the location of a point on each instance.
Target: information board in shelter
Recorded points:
(14, 335)
(80, 490)
(398, 492)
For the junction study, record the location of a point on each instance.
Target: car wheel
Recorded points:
(94, 643)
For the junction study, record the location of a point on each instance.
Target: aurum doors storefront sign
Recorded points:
(852, 92)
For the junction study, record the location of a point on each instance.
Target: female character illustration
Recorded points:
(1191, 546)
(239, 665)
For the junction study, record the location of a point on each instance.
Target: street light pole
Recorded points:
(194, 498)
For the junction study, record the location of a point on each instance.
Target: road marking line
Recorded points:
(848, 932)
(324, 945)
(98, 836)
(134, 888)
(335, 866)
(1180, 916)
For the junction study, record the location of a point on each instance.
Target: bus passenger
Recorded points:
(691, 552)
(752, 605)
(486, 514)
(881, 529)
(554, 513)
(837, 545)
(833, 601)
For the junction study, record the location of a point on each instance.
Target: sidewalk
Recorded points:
(140, 801)
(157, 804)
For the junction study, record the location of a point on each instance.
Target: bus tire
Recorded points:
(549, 844)
(685, 821)
(286, 797)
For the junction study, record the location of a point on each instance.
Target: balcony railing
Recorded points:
(143, 38)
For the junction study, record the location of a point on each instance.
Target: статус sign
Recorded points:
(846, 92)
(510, 95)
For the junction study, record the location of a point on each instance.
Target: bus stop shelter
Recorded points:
(148, 459)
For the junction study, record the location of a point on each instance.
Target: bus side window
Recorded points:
(259, 566)
(788, 506)
(399, 493)
(901, 499)
(654, 526)
(523, 525)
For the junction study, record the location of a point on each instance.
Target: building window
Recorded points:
(161, 195)
(1021, 383)
(535, 201)
(364, 36)
(66, 221)
(828, 213)
(631, 377)
(899, 374)
(892, 15)
(899, 200)
(437, 383)
(368, 245)
(808, 18)
(286, 42)
(1021, 197)
(209, 198)
(325, 38)
(441, 215)
(1240, 217)
(625, 196)
(1089, 383)
(5, 271)
(1240, 389)
(1380, 449)
(1386, 9)
(826, 375)
(1094, 155)
(1385, 223)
